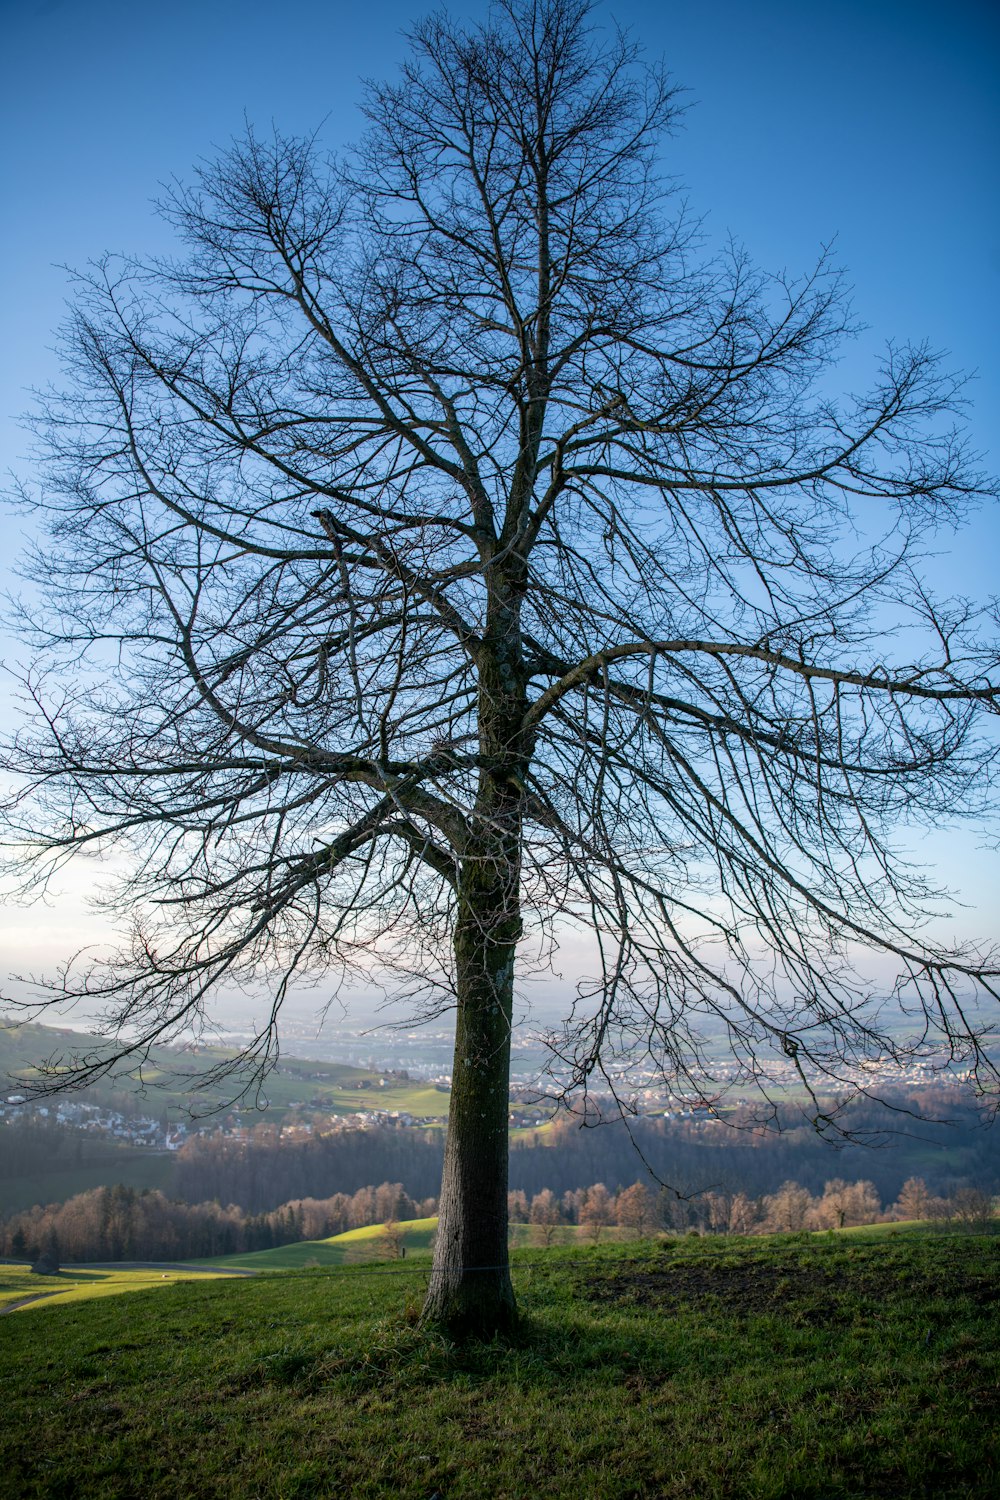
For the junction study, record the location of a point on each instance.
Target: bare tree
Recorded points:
(442, 549)
(598, 1211)
(634, 1209)
(845, 1204)
(788, 1209)
(545, 1216)
(972, 1206)
(392, 1243)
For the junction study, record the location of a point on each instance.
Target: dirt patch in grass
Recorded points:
(808, 1288)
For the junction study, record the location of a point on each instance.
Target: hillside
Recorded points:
(831, 1367)
(48, 1159)
(356, 1246)
(169, 1081)
(19, 1288)
(365, 1245)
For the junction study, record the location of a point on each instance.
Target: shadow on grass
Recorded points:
(401, 1353)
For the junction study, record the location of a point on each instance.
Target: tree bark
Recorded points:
(470, 1292)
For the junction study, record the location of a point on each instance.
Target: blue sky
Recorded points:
(875, 124)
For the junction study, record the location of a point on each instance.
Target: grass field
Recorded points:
(367, 1245)
(355, 1245)
(786, 1369)
(80, 1284)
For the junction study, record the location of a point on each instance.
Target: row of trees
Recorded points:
(640, 1210)
(118, 1223)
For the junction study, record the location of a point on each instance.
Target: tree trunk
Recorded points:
(470, 1292)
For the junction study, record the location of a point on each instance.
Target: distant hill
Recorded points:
(43, 1163)
(169, 1082)
(353, 1247)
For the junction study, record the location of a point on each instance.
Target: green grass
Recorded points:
(79, 1284)
(16, 1282)
(369, 1244)
(526, 1132)
(351, 1247)
(789, 1369)
(522, 1236)
(418, 1234)
(907, 1228)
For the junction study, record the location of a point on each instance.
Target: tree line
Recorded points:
(120, 1224)
(640, 1209)
(261, 1170)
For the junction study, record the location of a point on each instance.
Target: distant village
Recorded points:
(309, 1116)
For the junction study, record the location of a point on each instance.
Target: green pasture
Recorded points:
(908, 1229)
(81, 1284)
(522, 1236)
(793, 1368)
(353, 1246)
(370, 1244)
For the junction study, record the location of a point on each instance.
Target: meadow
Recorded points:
(354, 1246)
(823, 1367)
(360, 1246)
(19, 1289)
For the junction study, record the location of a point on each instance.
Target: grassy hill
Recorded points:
(785, 1369)
(81, 1283)
(352, 1247)
(357, 1246)
(333, 1087)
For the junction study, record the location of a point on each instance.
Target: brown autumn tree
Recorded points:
(443, 548)
(598, 1211)
(634, 1209)
(845, 1204)
(788, 1209)
(544, 1215)
(914, 1201)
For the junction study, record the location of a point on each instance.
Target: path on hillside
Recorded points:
(165, 1267)
(35, 1297)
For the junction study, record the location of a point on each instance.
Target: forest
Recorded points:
(120, 1224)
(949, 1147)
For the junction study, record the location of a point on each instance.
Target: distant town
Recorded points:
(415, 1059)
